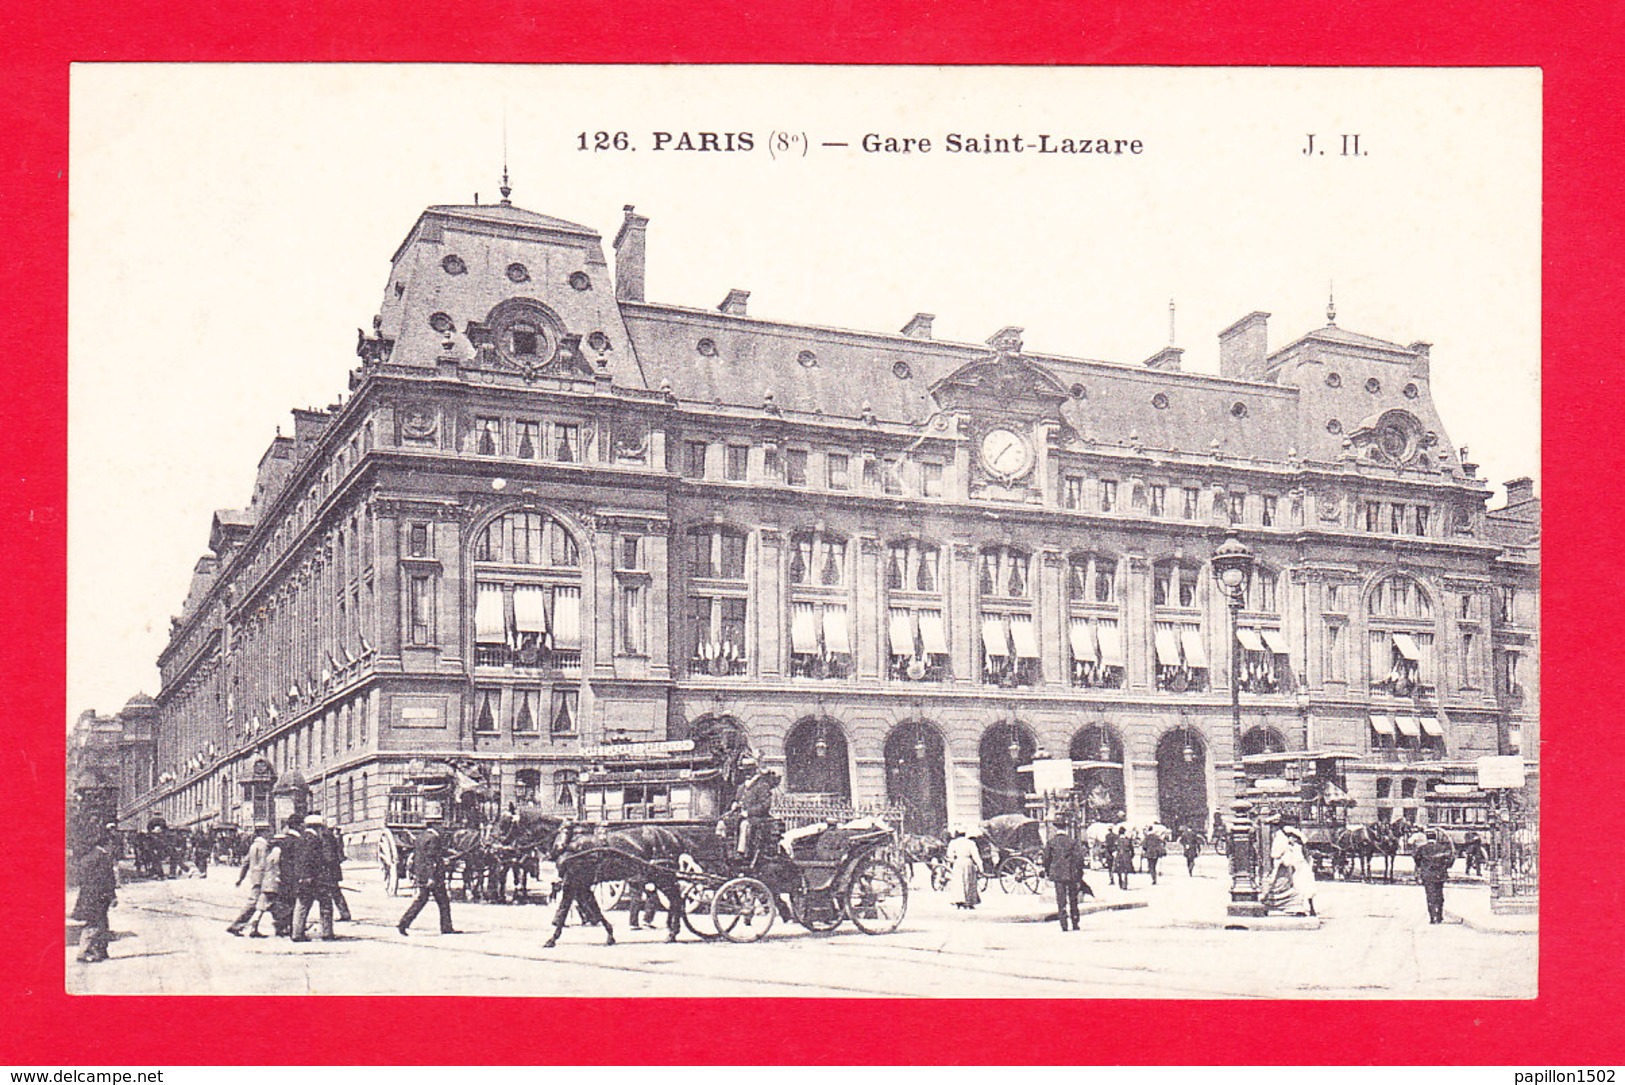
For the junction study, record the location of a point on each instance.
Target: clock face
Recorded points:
(1006, 453)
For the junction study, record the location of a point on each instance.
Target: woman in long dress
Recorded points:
(964, 866)
(1292, 884)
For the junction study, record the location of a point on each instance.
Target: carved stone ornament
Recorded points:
(418, 422)
(1330, 508)
(1395, 437)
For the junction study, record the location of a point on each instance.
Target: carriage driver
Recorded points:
(753, 807)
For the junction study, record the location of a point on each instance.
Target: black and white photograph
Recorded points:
(818, 532)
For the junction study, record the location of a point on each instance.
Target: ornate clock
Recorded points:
(1006, 453)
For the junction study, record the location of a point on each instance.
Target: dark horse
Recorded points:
(1359, 844)
(521, 837)
(646, 854)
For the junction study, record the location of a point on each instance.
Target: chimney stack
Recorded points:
(1168, 359)
(734, 303)
(1520, 491)
(1243, 348)
(629, 256)
(919, 326)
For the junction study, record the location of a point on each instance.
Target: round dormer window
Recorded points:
(453, 265)
(518, 273)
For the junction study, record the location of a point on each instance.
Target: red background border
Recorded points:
(1576, 1020)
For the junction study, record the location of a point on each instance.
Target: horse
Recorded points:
(521, 836)
(1387, 839)
(648, 854)
(1356, 844)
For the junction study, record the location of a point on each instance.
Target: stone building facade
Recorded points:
(551, 514)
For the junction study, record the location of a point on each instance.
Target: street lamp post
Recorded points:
(1233, 568)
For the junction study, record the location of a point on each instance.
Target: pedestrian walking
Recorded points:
(1473, 852)
(1433, 860)
(271, 893)
(310, 880)
(98, 891)
(291, 844)
(201, 846)
(1154, 848)
(332, 880)
(964, 870)
(1191, 841)
(1122, 858)
(1291, 888)
(429, 873)
(1063, 865)
(253, 871)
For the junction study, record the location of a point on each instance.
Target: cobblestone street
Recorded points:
(1162, 941)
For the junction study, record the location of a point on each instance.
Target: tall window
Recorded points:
(1159, 499)
(527, 713)
(838, 466)
(1108, 494)
(820, 630)
(1267, 513)
(487, 710)
(931, 479)
(1265, 664)
(488, 436)
(1009, 635)
(632, 620)
(1094, 629)
(916, 633)
(1192, 502)
(694, 453)
(737, 462)
(530, 440)
(567, 442)
(717, 601)
(527, 599)
(420, 607)
(566, 708)
(1401, 637)
(1072, 492)
(1180, 653)
(795, 466)
(1336, 653)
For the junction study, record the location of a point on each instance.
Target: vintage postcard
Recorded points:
(804, 531)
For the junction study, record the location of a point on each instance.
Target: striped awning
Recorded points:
(837, 641)
(1430, 724)
(1025, 636)
(1167, 648)
(1111, 644)
(1408, 726)
(994, 641)
(1250, 640)
(1082, 636)
(1274, 641)
(1383, 725)
(1407, 647)
(902, 633)
(933, 637)
(1195, 654)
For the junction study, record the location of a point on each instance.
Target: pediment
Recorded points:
(1011, 381)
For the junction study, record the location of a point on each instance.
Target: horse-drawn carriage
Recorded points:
(433, 793)
(1308, 789)
(1012, 849)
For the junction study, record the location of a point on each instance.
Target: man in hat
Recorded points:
(1433, 860)
(755, 802)
(253, 870)
(1063, 865)
(98, 891)
(429, 872)
(309, 887)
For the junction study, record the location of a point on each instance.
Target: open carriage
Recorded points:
(1306, 788)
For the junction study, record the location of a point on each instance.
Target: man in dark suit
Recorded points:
(310, 888)
(98, 891)
(1063, 865)
(291, 844)
(429, 872)
(1433, 860)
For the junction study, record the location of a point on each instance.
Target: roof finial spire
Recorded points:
(1331, 303)
(506, 190)
(1170, 321)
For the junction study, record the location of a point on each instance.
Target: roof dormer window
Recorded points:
(525, 340)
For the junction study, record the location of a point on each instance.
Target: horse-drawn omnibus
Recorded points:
(1305, 787)
(433, 793)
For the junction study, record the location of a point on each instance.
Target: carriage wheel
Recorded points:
(743, 910)
(609, 894)
(940, 874)
(389, 855)
(697, 916)
(818, 912)
(1020, 872)
(875, 896)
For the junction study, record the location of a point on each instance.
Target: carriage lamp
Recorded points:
(821, 748)
(1188, 753)
(1015, 745)
(1105, 746)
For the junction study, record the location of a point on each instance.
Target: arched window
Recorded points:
(1400, 619)
(820, 626)
(1176, 599)
(916, 776)
(1004, 748)
(717, 600)
(1259, 740)
(1009, 635)
(1094, 630)
(815, 761)
(527, 594)
(917, 634)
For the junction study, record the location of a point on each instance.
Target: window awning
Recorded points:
(567, 618)
(1167, 648)
(994, 641)
(1430, 724)
(836, 639)
(1249, 639)
(1195, 654)
(1407, 647)
(1025, 635)
(1274, 641)
(804, 629)
(1383, 725)
(530, 609)
(490, 626)
(1082, 635)
(902, 633)
(1408, 726)
(932, 635)
(1111, 644)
